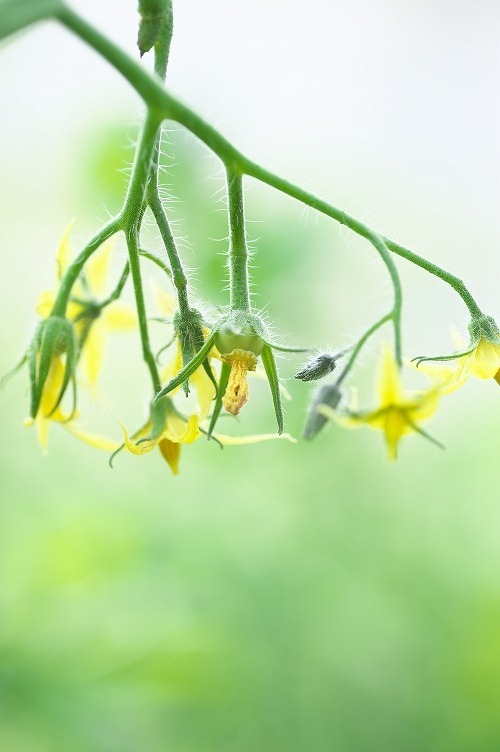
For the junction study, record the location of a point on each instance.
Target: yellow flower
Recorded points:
(482, 362)
(92, 323)
(167, 428)
(397, 414)
(178, 430)
(175, 431)
(46, 412)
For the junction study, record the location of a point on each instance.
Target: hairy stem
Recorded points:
(167, 106)
(74, 270)
(238, 252)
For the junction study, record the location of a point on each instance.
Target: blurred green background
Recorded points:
(273, 597)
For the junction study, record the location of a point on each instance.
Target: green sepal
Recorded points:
(189, 330)
(221, 390)
(158, 414)
(283, 348)
(190, 368)
(69, 374)
(484, 327)
(55, 336)
(269, 363)
(7, 376)
(33, 348)
(455, 356)
(154, 15)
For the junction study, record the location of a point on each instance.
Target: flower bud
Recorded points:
(188, 328)
(318, 367)
(154, 15)
(328, 394)
(54, 339)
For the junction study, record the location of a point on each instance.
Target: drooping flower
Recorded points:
(482, 361)
(61, 344)
(397, 414)
(167, 429)
(92, 321)
(50, 410)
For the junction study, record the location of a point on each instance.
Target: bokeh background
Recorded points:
(276, 597)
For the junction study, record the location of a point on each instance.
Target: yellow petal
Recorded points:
(93, 352)
(118, 317)
(252, 439)
(395, 425)
(45, 303)
(389, 387)
(96, 271)
(205, 391)
(92, 439)
(171, 451)
(425, 405)
(447, 378)
(173, 368)
(64, 253)
(145, 446)
(485, 361)
(165, 303)
(180, 432)
(52, 388)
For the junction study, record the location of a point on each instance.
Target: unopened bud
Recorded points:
(328, 394)
(54, 338)
(318, 367)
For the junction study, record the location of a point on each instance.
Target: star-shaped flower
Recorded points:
(397, 414)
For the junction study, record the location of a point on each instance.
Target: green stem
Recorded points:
(146, 86)
(156, 261)
(133, 210)
(15, 15)
(238, 252)
(119, 287)
(132, 236)
(178, 275)
(74, 270)
(167, 106)
(361, 341)
(131, 215)
(162, 51)
(455, 282)
(162, 46)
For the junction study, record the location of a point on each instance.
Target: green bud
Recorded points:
(155, 14)
(318, 367)
(188, 328)
(328, 394)
(53, 338)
